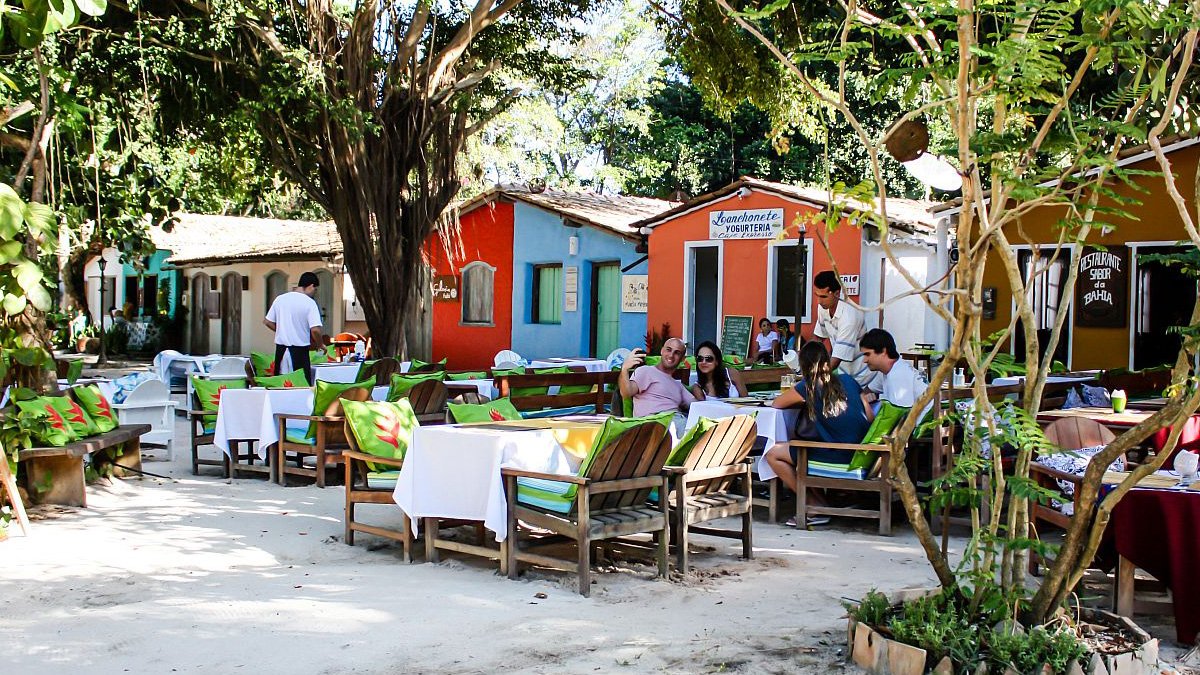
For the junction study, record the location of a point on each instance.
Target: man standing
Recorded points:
(841, 324)
(652, 388)
(902, 384)
(296, 320)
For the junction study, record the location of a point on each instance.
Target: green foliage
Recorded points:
(940, 626)
(1025, 652)
(872, 610)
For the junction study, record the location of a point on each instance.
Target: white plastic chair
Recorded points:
(507, 365)
(162, 363)
(506, 356)
(231, 366)
(617, 357)
(150, 403)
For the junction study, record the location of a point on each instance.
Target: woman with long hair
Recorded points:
(713, 379)
(836, 405)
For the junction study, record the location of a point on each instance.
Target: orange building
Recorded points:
(735, 251)
(1123, 303)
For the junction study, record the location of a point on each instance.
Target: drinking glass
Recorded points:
(1186, 465)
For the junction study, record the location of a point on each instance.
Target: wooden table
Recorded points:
(1189, 437)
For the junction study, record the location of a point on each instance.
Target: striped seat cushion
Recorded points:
(551, 495)
(297, 436)
(558, 412)
(382, 480)
(828, 470)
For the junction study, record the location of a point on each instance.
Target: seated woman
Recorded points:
(713, 379)
(762, 347)
(836, 405)
(787, 339)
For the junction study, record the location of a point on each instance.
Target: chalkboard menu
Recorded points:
(735, 335)
(1102, 288)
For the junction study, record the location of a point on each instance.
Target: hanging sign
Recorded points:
(445, 288)
(635, 296)
(748, 224)
(1102, 287)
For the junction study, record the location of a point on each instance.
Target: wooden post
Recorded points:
(9, 483)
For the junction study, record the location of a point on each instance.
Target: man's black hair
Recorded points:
(879, 340)
(828, 280)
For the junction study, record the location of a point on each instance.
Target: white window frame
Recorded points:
(686, 320)
(462, 319)
(1012, 344)
(772, 262)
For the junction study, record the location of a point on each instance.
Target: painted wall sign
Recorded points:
(849, 284)
(1102, 289)
(571, 303)
(445, 288)
(571, 279)
(635, 293)
(747, 224)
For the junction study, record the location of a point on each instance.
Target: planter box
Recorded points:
(879, 655)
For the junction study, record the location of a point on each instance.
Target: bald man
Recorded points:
(652, 388)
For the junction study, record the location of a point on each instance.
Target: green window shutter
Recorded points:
(549, 294)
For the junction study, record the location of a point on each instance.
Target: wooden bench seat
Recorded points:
(61, 468)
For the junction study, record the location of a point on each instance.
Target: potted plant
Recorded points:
(1010, 94)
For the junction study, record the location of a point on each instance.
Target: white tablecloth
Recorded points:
(485, 387)
(773, 424)
(454, 472)
(592, 365)
(1053, 379)
(249, 414)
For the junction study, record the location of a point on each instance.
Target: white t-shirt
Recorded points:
(843, 329)
(903, 385)
(765, 341)
(294, 314)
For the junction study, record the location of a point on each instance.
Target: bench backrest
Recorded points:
(596, 396)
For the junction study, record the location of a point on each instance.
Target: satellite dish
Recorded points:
(935, 171)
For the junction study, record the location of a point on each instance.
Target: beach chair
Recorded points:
(706, 464)
(607, 499)
(382, 370)
(428, 401)
(325, 438)
(373, 464)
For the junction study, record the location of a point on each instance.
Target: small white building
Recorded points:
(233, 268)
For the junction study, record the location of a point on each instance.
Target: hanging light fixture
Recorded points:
(909, 144)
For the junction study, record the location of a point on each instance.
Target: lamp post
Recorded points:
(801, 284)
(103, 337)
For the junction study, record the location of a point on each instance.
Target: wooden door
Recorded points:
(231, 314)
(199, 318)
(606, 309)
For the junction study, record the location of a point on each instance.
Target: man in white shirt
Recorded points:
(902, 384)
(296, 320)
(841, 324)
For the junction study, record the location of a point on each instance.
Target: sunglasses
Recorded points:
(705, 359)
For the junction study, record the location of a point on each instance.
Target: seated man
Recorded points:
(652, 388)
(902, 384)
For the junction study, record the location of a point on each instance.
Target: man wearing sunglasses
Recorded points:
(841, 325)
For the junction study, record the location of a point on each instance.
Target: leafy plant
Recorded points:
(1025, 652)
(872, 610)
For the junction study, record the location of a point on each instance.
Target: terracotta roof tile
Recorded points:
(202, 239)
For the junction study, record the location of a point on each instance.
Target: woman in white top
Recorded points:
(764, 343)
(713, 379)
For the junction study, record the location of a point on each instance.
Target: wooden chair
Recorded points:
(610, 501)
(327, 444)
(382, 370)
(875, 480)
(428, 401)
(702, 486)
(8, 485)
(201, 424)
(1070, 433)
(360, 491)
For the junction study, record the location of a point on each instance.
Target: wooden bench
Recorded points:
(597, 397)
(61, 468)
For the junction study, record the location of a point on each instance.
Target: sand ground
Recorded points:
(203, 575)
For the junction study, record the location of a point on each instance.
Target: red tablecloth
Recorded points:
(1189, 438)
(1159, 532)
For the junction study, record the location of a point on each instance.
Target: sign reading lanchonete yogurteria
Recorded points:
(749, 224)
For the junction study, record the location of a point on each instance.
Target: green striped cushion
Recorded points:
(828, 470)
(381, 480)
(558, 496)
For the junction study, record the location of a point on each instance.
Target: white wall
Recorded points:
(114, 271)
(254, 335)
(907, 319)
